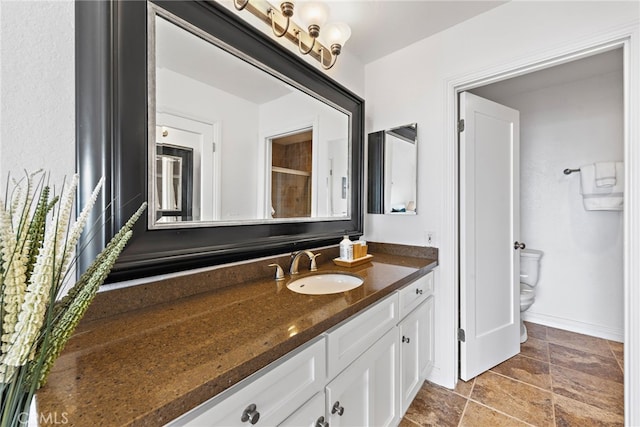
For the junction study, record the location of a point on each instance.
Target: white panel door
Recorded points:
(489, 229)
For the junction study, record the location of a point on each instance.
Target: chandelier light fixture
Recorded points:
(312, 17)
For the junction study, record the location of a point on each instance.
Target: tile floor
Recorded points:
(560, 378)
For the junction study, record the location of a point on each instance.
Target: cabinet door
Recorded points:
(414, 348)
(268, 397)
(311, 414)
(366, 393)
(349, 340)
(415, 293)
(430, 337)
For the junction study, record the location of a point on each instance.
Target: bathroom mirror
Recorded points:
(150, 149)
(392, 170)
(264, 149)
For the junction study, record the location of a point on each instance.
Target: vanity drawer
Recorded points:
(276, 391)
(415, 293)
(351, 339)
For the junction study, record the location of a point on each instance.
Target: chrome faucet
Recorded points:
(279, 273)
(295, 259)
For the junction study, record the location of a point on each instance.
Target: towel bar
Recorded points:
(570, 171)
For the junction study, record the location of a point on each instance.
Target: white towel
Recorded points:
(605, 174)
(601, 198)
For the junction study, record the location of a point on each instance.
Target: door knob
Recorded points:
(518, 245)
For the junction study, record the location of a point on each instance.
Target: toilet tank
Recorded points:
(530, 266)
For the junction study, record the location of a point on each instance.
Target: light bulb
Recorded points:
(314, 13)
(336, 33)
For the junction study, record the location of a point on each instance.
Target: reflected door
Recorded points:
(174, 183)
(337, 179)
(291, 167)
(202, 191)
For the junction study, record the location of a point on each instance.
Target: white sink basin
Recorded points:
(325, 283)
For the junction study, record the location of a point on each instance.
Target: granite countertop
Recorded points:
(148, 366)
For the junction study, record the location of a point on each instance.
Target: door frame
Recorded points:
(628, 38)
(264, 161)
(211, 133)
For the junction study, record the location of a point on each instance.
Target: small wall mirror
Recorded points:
(392, 171)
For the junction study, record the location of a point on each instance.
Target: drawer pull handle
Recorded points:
(337, 408)
(250, 414)
(321, 422)
(419, 291)
(405, 339)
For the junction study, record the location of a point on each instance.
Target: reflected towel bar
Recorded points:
(570, 171)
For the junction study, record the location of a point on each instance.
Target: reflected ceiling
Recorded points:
(189, 55)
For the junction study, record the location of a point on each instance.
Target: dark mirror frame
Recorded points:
(375, 173)
(111, 141)
(376, 146)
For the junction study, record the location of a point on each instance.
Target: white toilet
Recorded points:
(529, 271)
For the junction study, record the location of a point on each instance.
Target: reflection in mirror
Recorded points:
(125, 104)
(174, 183)
(392, 170)
(291, 175)
(262, 150)
(169, 186)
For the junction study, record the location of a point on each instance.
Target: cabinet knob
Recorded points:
(337, 408)
(250, 414)
(405, 339)
(321, 422)
(419, 291)
(518, 245)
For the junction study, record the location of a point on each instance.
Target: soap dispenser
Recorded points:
(346, 249)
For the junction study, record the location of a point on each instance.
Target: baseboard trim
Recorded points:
(437, 376)
(576, 326)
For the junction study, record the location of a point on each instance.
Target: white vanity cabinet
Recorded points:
(416, 337)
(415, 293)
(363, 372)
(349, 340)
(362, 360)
(268, 397)
(365, 394)
(416, 351)
(311, 414)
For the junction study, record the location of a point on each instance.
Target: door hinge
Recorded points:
(213, 146)
(461, 336)
(461, 125)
